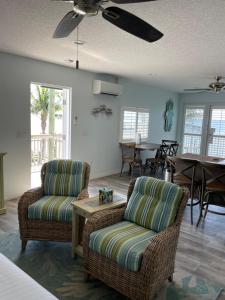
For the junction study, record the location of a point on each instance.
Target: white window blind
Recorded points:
(133, 121)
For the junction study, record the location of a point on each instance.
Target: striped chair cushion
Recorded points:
(123, 242)
(52, 208)
(154, 203)
(64, 178)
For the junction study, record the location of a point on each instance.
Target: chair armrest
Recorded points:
(27, 199)
(100, 220)
(83, 194)
(160, 253)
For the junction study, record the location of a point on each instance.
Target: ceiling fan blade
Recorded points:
(66, 1)
(197, 90)
(132, 24)
(129, 1)
(68, 23)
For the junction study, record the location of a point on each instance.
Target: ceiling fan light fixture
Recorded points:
(79, 11)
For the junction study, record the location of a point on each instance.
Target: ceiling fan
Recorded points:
(216, 86)
(115, 15)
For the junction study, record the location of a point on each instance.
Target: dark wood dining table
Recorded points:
(202, 158)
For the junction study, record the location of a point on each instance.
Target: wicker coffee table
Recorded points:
(86, 208)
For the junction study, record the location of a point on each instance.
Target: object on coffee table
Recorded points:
(105, 195)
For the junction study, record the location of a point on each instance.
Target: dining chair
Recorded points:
(168, 142)
(154, 163)
(184, 172)
(213, 188)
(129, 157)
(173, 146)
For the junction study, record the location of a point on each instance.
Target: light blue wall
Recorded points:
(144, 96)
(94, 139)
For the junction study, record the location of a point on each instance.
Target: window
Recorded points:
(133, 121)
(193, 125)
(216, 132)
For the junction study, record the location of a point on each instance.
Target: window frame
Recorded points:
(137, 110)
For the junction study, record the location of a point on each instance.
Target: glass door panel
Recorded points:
(50, 126)
(193, 127)
(216, 132)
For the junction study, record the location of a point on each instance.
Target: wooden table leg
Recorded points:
(75, 232)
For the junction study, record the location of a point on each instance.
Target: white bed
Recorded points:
(16, 284)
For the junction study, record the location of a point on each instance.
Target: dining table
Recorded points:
(202, 158)
(147, 146)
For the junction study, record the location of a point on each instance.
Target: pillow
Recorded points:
(154, 203)
(64, 178)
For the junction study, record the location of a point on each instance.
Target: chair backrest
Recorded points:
(173, 146)
(162, 152)
(153, 203)
(168, 142)
(185, 167)
(128, 150)
(65, 177)
(173, 149)
(212, 173)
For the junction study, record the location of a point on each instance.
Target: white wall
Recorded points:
(94, 139)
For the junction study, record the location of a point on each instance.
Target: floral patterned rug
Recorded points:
(51, 265)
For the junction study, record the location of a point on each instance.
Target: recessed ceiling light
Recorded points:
(79, 42)
(69, 61)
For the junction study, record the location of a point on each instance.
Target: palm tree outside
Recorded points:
(46, 110)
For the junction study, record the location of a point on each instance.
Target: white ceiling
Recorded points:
(189, 55)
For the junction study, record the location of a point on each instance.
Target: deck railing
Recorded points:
(45, 147)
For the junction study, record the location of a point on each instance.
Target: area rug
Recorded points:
(51, 265)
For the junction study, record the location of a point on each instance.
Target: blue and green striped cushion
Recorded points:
(64, 178)
(154, 203)
(123, 242)
(52, 208)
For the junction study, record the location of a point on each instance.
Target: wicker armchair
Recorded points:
(157, 262)
(60, 175)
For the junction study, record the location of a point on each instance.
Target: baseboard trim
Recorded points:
(104, 173)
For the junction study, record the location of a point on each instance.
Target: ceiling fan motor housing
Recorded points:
(217, 86)
(88, 6)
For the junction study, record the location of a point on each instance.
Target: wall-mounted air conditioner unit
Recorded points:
(107, 88)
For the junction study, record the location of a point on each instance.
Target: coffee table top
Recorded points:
(89, 206)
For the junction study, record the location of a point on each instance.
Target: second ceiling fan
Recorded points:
(216, 86)
(115, 15)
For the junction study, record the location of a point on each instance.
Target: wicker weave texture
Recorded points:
(157, 263)
(45, 230)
